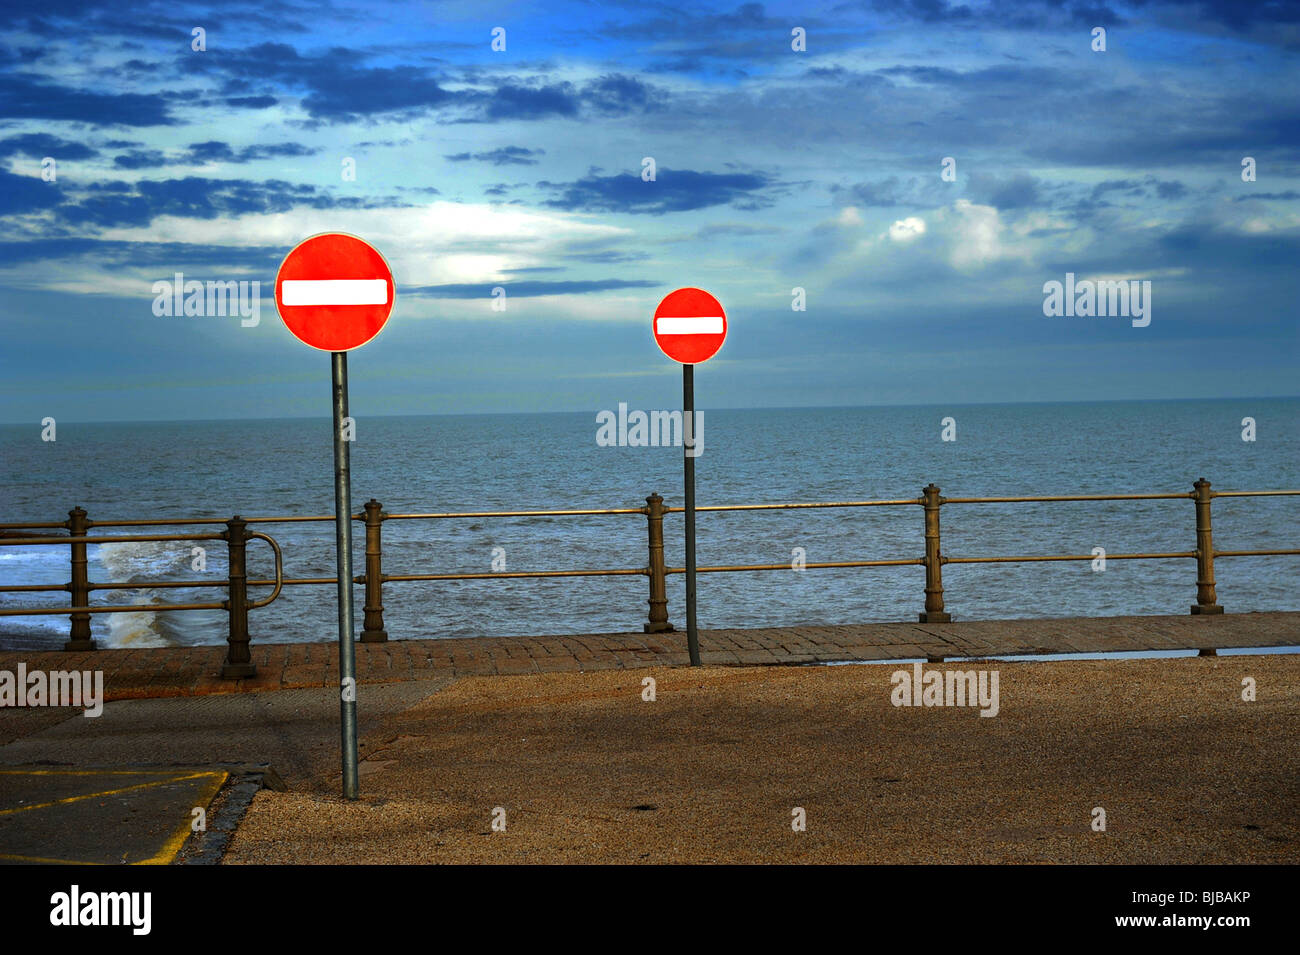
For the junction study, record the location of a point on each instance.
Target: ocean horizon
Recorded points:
(552, 460)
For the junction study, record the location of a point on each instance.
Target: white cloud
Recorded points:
(905, 230)
(439, 243)
(849, 216)
(976, 233)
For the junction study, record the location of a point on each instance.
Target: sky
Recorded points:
(525, 167)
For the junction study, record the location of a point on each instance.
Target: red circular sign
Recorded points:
(334, 292)
(690, 326)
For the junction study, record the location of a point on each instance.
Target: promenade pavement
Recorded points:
(453, 729)
(193, 671)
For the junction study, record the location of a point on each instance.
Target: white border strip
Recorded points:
(689, 325)
(334, 291)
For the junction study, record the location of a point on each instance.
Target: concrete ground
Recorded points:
(580, 768)
(122, 787)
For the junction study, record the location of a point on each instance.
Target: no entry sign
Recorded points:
(334, 292)
(690, 326)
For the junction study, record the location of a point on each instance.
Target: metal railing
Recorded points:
(238, 661)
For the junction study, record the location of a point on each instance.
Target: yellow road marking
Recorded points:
(86, 772)
(172, 846)
(173, 843)
(109, 792)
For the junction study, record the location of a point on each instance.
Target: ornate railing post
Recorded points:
(239, 662)
(79, 587)
(934, 612)
(654, 512)
(1207, 599)
(373, 628)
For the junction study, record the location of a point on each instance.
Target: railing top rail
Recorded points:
(1252, 493)
(786, 507)
(165, 522)
(573, 513)
(107, 539)
(1180, 496)
(444, 515)
(1109, 497)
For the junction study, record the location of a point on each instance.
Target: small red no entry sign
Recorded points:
(334, 292)
(690, 326)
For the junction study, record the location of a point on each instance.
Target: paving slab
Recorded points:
(103, 816)
(194, 671)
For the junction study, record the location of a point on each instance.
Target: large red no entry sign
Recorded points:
(334, 292)
(690, 325)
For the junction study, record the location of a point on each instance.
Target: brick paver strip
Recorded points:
(195, 671)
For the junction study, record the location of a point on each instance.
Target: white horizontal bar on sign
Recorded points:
(689, 325)
(334, 291)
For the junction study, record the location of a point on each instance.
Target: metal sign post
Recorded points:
(690, 326)
(343, 542)
(688, 448)
(335, 292)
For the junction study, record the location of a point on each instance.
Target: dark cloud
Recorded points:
(251, 102)
(607, 257)
(684, 24)
(211, 151)
(502, 156)
(337, 86)
(1001, 80)
(1147, 187)
(1004, 14)
(1206, 250)
(1290, 194)
(523, 102)
(680, 64)
(19, 194)
(1014, 192)
(22, 55)
(26, 97)
(615, 95)
(155, 19)
(674, 190)
(162, 255)
(882, 192)
(40, 145)
(216, 151)
(1174, 132)
(526, 289)
(1241, 16)
(1129, 187)
(1170, 189)
(196, 197)
(140, 159)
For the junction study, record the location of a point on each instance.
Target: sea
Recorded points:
(284, 467)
